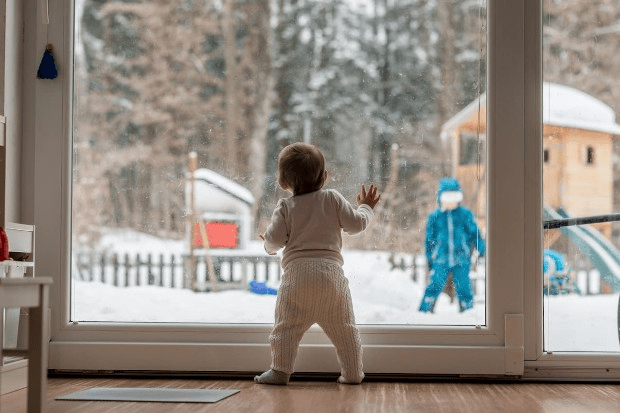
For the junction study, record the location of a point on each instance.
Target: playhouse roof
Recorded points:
(225, 185)
(563, 106)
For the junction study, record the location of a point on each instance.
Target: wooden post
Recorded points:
(102, 273)
(244, 274)
(210, 267)
(172, 271)
(161, 270)
(149, 266)
(115, 265)
(138, 269)
(126, 270)
(91, 267)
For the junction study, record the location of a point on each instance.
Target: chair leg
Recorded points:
(37, 350)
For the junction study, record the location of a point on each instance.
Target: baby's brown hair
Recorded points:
(301, 168)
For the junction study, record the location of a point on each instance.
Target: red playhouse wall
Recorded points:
(219, 234)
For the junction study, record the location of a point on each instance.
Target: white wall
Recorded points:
(13, 108)
(27, 52)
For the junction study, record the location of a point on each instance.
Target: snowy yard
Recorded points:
(380, 296)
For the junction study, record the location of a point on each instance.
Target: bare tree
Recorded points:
(162, 79)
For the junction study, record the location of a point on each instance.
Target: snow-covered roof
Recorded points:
(563, 106)
(569, 107)
(224, 184)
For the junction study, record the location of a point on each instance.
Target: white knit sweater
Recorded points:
(311, 225)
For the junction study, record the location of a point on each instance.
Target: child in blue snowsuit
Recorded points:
(451, 237)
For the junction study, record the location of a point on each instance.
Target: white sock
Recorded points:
(273, 377)
(342, 380)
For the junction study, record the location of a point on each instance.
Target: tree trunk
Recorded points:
(448, 81)
(231, 93)
(258, 147)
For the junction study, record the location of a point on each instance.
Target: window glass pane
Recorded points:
(180, 111)
(581, 175)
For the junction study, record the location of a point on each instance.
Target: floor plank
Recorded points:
(424, 396)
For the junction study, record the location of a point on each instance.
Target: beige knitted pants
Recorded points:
(315, 291)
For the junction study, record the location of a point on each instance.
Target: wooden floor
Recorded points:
(423, 396)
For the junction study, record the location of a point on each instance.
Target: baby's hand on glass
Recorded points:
(262, 237)
(370, 198)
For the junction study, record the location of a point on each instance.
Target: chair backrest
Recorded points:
(21, 237)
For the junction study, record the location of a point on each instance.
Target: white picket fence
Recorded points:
(175, 270)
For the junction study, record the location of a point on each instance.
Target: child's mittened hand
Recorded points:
(370, 198)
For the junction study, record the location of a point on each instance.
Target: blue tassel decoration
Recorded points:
(47, 68)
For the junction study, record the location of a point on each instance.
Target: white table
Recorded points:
(34, 294)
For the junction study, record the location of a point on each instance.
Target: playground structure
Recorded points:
(604, 256)
(218, 230)
(218, 206)
(558, 277)
(578, 133)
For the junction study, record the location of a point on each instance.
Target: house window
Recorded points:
(590, 155)
(471, 149)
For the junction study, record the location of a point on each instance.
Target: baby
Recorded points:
(309, 226)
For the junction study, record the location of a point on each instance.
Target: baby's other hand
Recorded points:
(370, 198)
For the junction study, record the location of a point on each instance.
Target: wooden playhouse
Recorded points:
(578, 132)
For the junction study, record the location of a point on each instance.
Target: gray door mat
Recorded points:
(142, 394)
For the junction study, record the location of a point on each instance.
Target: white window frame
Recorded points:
(509, 344)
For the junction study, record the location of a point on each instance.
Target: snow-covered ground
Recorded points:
(380, 296)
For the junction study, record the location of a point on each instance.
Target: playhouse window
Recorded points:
(546, 156)
(470, 150)
(589, 155)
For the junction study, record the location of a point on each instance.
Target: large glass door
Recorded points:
(177, 123)
(580, 169)
(170, 129)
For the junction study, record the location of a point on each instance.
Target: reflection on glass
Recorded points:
(180, 109)
(580, 175)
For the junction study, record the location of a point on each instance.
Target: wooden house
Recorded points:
(578, 131)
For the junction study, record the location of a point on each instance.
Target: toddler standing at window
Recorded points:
(309, 226)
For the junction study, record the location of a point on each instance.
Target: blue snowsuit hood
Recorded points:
(451, 236)
(447, 184)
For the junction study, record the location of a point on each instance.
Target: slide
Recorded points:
(603, 254)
